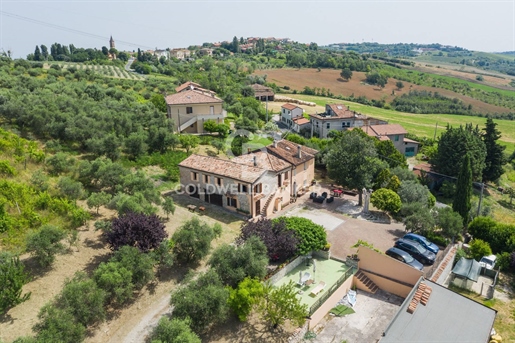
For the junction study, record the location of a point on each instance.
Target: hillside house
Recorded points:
(180, 54)
(191, 106)
(396, 133)
(162, 53)
(263, 93)
(256, 184)
(289, 112)
(339, 117)
(206, 52)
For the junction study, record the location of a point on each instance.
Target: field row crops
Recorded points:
(106, 70)
(421, 124)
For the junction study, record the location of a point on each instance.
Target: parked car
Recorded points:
(403, 256)
(423, 241)
(488, 261)
(416, 250)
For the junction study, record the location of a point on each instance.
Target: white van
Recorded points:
(488, 261)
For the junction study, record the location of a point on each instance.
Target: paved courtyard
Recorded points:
(345, 224)
(373, 314)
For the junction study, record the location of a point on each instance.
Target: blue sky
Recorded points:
(475, 25)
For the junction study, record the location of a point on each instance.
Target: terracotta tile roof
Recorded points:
(340, 111)
(388, 129)
(223, 168)
(191, 97)
(407, 140)
(301, 120)
(187, 85)
(262, 90)
(263, 160)
(288, 151)
(290, 107)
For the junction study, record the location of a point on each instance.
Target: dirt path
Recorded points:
(147, 322)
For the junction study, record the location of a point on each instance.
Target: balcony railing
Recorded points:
(330, 291)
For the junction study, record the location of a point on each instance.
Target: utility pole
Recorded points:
(267, 108)
(480, 199)
(434, 136)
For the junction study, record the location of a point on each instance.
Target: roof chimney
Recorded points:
(275, 143)
(255, 161)
(299, 151)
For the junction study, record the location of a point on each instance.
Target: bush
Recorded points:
(501, 237)
(448, 189)
(386, 200)
(437, 238)
(242, 299)
(136, 229)
(45, 244)
(233, 264)
(479, 248)
(281, 242)
(311, 236)
(58, 325)
(12, 279)
(503, 261)
(83, 299)
(203, 300)
(193, 240)
(140, 265)
(115, 280)
(174, 331)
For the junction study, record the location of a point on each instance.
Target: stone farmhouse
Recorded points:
(191, 106)
(180, 54)
(255, 184)
(339, 117)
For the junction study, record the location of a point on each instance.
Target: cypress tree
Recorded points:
(461, 202)
(494, 152)
(37, 54)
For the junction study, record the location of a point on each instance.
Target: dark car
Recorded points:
(403, 256)
(416, 250)
(423, 241)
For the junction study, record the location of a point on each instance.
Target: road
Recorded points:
(129, 63)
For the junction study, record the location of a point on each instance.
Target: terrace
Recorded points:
(332, 272)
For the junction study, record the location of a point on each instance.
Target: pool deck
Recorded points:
(328, 271)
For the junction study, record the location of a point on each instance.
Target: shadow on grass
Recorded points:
(94, 244)
(34, 269)
(212, 211)
(254, 330)
(4, 318)
(95, 261)
(506, 204)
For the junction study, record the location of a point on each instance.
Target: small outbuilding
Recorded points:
(263, 93)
